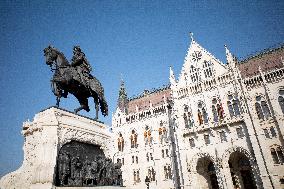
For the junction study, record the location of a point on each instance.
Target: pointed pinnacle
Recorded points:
(191, 36)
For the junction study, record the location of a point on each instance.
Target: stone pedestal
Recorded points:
(44, 137)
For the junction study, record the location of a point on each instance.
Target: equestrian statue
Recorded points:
(75, 78)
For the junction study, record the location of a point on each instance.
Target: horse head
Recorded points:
(53, 55)
(50, 55)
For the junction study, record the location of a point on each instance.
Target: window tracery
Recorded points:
(207, 68)
(223, 136)
(277, 155)
(206, 139)
(162, 133)
(133, 139)
(151, 174)
(202, 114)
(234, 105)
(167, 172)
(240, 132)
(120, 143)
(194, 74)
(281, 100)
(136, 176)
(191, 142)
(217, 110)
(187, 116)
(147, 136)
(262, 108)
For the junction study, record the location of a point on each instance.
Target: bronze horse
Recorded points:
(64, 82)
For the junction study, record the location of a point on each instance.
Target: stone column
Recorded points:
(228, 183)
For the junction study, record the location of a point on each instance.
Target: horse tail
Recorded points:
(103, 106)
(98, 90)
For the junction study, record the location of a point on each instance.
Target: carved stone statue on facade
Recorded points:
(75, 79)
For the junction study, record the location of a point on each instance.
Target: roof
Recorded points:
(155, 96)
(268, 59)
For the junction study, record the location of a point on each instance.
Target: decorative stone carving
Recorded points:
(44, 137)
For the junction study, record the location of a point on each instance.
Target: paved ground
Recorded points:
(96, 187)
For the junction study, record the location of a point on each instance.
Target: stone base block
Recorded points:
(44, 137)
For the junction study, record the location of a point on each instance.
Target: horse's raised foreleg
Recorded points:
(84, 105)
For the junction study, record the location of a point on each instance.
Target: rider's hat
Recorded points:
(77, 48)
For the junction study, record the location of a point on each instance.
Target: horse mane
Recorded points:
(61, 54)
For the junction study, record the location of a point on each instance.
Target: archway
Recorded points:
(241, 171)
(206, 177)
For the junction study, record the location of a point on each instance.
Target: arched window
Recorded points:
(187, 116)
(167, 172)
(281, 100)
(147, 156)
(191, 142)
(162, 133)
(261, 107)
(234, 105)
(202, 114)
(120, 143)
(217, 110)
(193, 74)
(207, 67)
(133, 139)
(277, 155)
(136, 176)
(118, 160)
(147, 136)
(151, 174)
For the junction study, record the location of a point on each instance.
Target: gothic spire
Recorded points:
(230, 58)
(191, 36)
(122, 102)
(172, 77)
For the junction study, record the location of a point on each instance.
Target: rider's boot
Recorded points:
(65, 94)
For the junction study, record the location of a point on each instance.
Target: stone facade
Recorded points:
(44, 137)
(217, 126)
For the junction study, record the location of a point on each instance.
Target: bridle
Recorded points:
(56, 68)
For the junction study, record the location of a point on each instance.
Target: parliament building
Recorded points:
(217, 125)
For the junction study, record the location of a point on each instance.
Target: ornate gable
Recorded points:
(199, 65)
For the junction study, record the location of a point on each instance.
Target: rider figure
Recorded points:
(81, 64)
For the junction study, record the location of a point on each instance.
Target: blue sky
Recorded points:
(138, 39)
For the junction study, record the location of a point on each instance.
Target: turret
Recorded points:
(122, 102)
